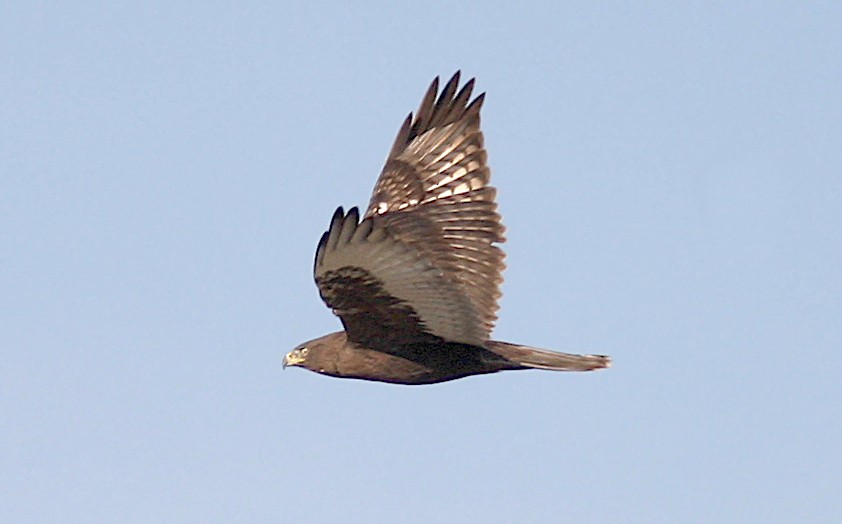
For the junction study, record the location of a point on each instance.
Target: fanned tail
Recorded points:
(530, 357)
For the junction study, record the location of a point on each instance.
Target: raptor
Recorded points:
(415, 280)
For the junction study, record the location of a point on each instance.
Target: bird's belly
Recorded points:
(368, 364)
(427, 366)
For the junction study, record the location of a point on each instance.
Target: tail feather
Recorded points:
(530, 357)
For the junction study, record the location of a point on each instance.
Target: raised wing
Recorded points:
(433, 196)
(387, 293)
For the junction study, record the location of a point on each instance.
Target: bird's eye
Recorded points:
(304, 351)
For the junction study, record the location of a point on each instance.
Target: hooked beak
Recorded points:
(291, 359)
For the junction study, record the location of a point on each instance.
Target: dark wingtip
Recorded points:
(354, 213)
(320, 249)
(430, 96)
(434, 85)
(438, 109)
(339, 213)
(403, 136)
(335, 221)
(451, 84)
(467, 88)
(476, 104)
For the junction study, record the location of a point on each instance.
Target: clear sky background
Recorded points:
(671, 178)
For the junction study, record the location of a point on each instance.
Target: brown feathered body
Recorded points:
(432, 361)
(415, 281)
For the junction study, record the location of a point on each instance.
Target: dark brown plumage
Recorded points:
(416, 281)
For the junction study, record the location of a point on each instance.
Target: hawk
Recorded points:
(415, 280)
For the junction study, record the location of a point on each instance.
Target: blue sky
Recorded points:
(671, 179)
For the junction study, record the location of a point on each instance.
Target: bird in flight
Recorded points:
(415, 280)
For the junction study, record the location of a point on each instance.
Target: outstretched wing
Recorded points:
(387, 293)
(433, 197)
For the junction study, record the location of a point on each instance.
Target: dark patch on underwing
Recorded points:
(371, 315)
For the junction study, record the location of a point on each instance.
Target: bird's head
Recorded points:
(317, 355)
(297, 356)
